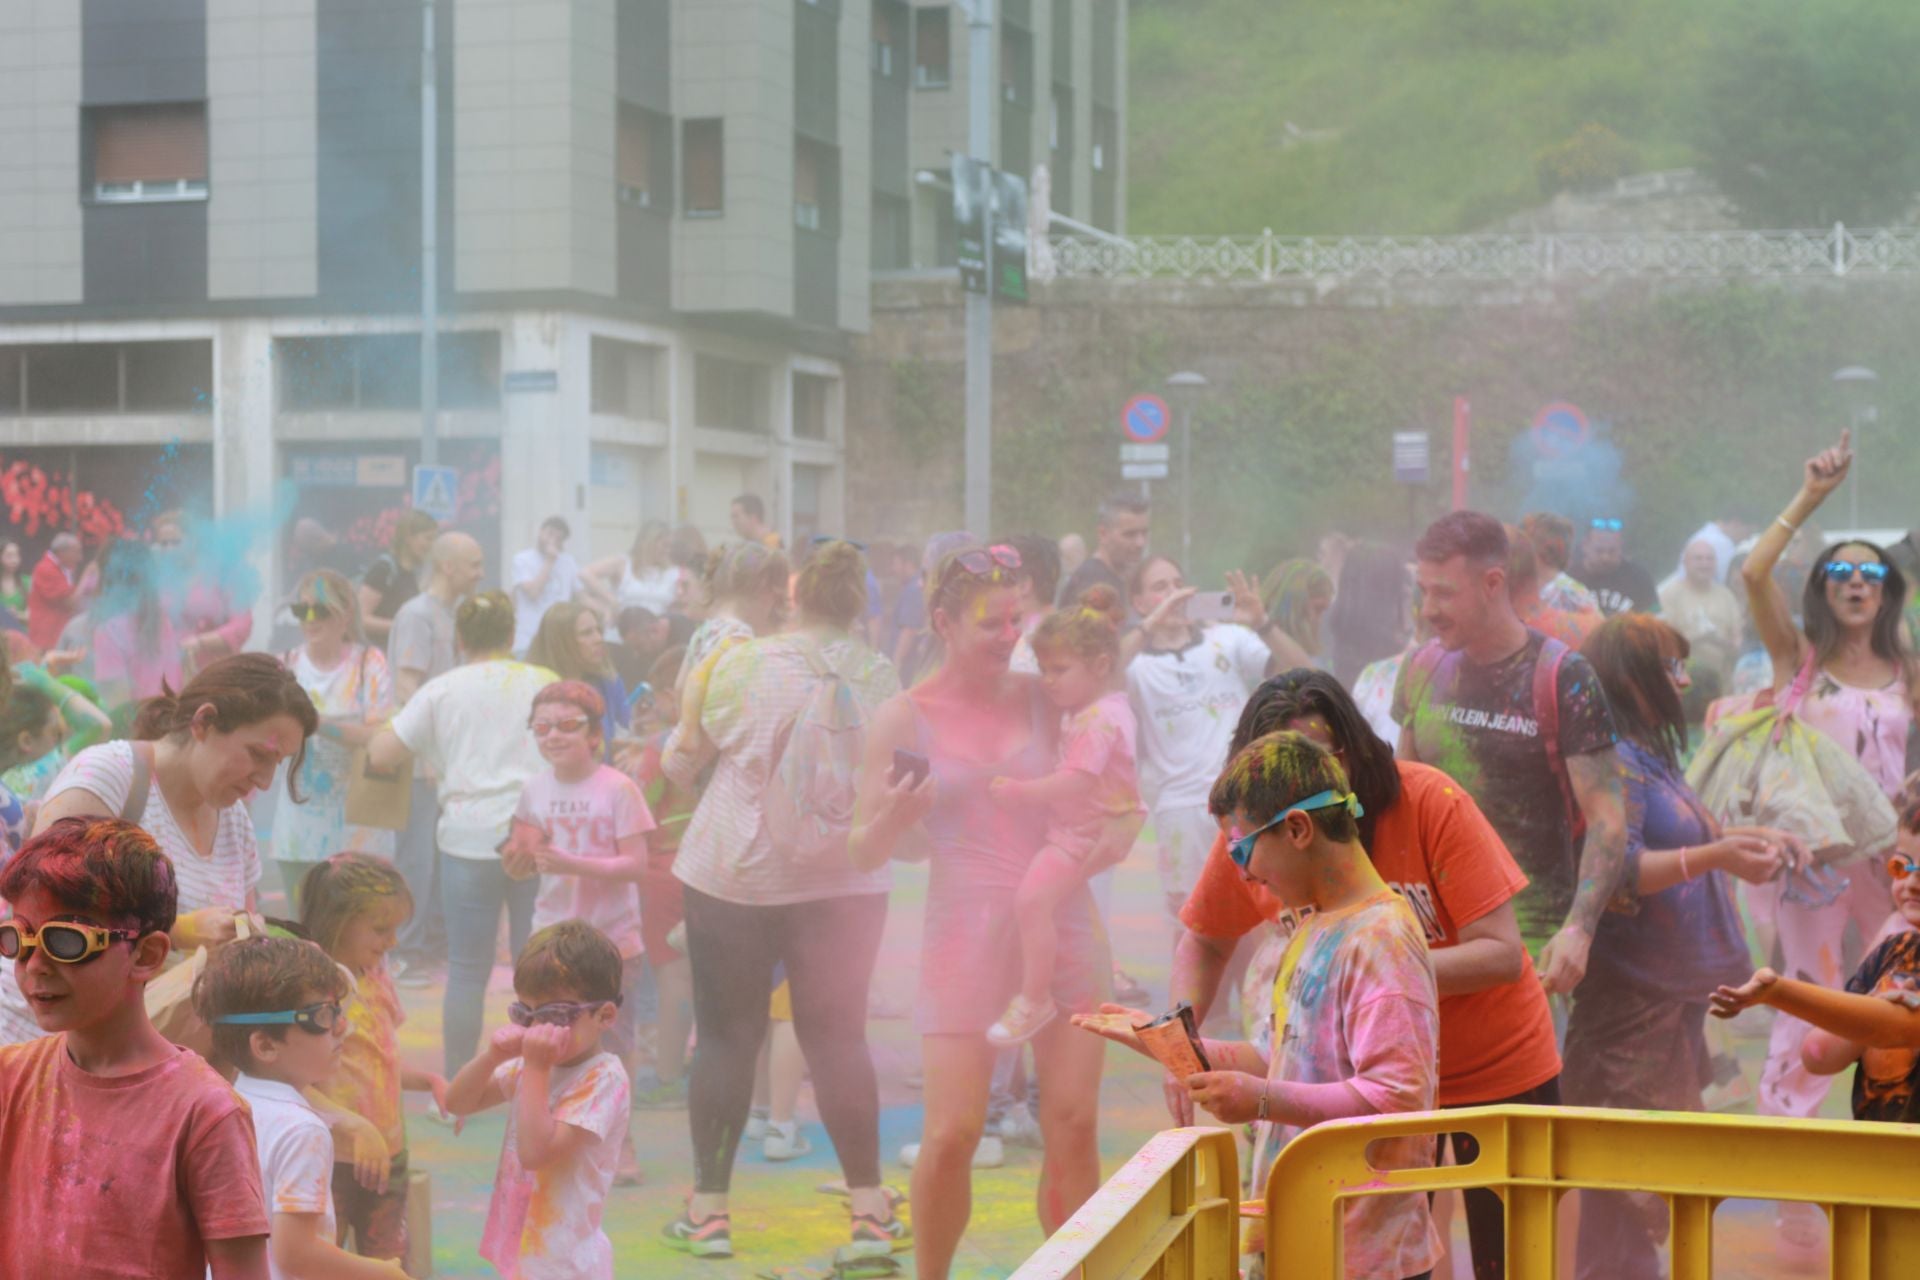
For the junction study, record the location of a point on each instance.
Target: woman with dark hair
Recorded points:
(196, 758)
(466, 725)
(572, 644)
(1848, 666)
(1430, 842)
(1370, 619)
(1636, 1036)
(394, 576)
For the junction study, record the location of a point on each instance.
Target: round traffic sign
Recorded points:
(1146, 419)
(1559, 428)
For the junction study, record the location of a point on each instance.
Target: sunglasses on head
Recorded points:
(1608, 524)
(314, 1019)
(1241, 848)
(66, 941)
(1844, 570)
(980, 561)
(560, 1013)
(545, 728)
(822, 539)
(1900, 864)
(311, 611)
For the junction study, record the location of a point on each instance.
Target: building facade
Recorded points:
(657, 223)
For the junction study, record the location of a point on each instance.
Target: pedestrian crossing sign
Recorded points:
(436, 491)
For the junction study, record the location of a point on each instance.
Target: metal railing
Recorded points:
(1518, 257)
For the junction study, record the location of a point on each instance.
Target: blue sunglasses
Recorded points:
(1844, 571)
(1608, 525)
(1241, 849)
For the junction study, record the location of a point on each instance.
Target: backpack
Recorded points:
(811, 793)
(1433, 663)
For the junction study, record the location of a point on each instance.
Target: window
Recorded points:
(381, 371)
(816, 186)
(1016, 57)
(627, 379)
(812, 394)
(730, 395)
(1106, 130)
(645, 158)
(930, 48)
(892, 216)
(884, 17)
(147, 153)
(703, 148)
(107, 377)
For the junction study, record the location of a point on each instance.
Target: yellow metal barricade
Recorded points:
(1867, 1176)
(1170, 1213)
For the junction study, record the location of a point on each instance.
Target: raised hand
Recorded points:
(1826, 470)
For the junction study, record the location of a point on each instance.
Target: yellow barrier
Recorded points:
(1170, 1213)
(1865, 1175)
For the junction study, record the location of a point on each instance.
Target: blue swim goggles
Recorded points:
(1241, 849)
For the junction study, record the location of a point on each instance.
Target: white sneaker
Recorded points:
(785, 1141)
(1018, 1128)
(990, 1154)
(757, 1125)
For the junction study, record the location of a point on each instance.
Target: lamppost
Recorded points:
(1856, 383)
(1186, 387)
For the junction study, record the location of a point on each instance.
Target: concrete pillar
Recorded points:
(545, 449)
(245, 466)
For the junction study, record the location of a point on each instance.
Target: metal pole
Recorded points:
(1186, 489)
(429, 241)
(979, 451)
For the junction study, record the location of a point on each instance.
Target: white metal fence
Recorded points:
(1541, 257)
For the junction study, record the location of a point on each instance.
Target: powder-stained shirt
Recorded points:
(121, 1176)
(355, 688)
(1097, 740)
(470, 727)
(588, 819)
(296, 1154)
(1886, 1083)
(1186, 702)
(1355, 1004)
(545, 1225)
(1481, 725)
(367, 1082)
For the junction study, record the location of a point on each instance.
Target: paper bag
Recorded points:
(170, 998)
(419, 1260)
(378, 798)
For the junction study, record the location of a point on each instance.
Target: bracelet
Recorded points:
(1684, 873)
(1262, 1114)
(1786, 524)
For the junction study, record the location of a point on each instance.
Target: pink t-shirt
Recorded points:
(1355, 1002)
(121, 1175)
(1098, 739)
(545, 1225)
(588, 819)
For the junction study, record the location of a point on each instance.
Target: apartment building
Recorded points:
(656, 226)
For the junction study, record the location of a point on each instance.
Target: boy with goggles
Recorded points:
(115, 1146)
(570, 1101)
(1356, 1016)
(1875, 1022)
(275, 1008)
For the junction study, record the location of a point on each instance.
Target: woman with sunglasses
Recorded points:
(348, 681)
(1430, 841)
(1849, 660)
(1636, 1037)
(930, 756)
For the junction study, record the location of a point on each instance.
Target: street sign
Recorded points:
(1146, 419)
(436, 491)
(532, 380)
(1009, 236)
(1412, 452)
(972, 196)
(1145, 452)
(1143, 471)
(1559, 428)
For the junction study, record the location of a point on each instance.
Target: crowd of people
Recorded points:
(1450, 828)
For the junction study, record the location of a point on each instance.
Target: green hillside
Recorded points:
(1407, 115)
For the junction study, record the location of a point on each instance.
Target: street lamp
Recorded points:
(1186, 387)
(1856, 383)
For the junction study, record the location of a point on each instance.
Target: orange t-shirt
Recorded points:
(1440, 853)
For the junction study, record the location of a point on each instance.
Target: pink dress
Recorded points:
(1869, 724)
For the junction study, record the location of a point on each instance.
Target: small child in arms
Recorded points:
(570, 1102)
(275, 1006)
(1078, 650)
(1356, 1013)
(114, 1144)
(1875, 1022)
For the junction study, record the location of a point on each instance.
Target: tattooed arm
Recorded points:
(1596, 789)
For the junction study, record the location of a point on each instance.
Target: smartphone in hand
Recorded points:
(910, 764)
(1210, 606)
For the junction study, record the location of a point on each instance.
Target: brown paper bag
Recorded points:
(378, 798)
(419, 1260)
(169, 998)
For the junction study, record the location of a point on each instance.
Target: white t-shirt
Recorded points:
(545, 1225)
(588, 819)
(562, 582)
(652, 588)
(470, 727)
(1186, 703)
(296, 1152)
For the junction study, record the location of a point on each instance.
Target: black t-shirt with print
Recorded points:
(1481, 725)
(1887, 1081)
(1625, 588)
